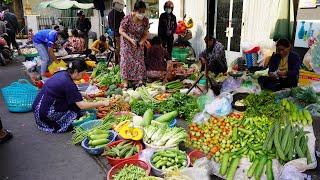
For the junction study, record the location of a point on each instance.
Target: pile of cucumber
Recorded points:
(169, 159)
(289, 143)
(98, 138)
(122, 150)
(174, 85)
(82, 118)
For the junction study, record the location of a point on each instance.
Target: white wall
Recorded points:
(178, 11)
(96, 22)
(197, 10)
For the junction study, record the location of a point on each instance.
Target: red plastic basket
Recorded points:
(119, 166)
(194, 155)
(114, 161)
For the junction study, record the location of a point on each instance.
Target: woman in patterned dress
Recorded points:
(133, 30)
(59, 102)
(75, 43)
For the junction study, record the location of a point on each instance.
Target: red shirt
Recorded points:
(156, 59)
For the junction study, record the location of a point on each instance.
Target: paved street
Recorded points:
(35, 155)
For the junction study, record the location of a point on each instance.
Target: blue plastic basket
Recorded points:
(19, 96)
(90, 124)
(98, 151)
(172, 124)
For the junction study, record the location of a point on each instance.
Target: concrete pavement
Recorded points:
(35, 155)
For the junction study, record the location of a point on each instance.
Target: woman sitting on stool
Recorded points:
(156, 60)
(284, 68)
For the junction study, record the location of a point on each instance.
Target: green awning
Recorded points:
(65, 4)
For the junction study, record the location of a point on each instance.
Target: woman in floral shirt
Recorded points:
(133, 31)
(75, 44)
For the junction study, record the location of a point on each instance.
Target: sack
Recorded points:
(19, 96)
(54, 66)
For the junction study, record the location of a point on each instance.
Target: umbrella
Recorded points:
(66, 4)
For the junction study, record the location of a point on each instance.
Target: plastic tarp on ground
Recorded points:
(65, 4)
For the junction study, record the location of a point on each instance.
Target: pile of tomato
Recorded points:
(213, 137)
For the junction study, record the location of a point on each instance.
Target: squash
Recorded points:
(137, 134)
(121, 125)
(127, 132)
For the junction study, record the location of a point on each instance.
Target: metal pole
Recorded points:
(230, 24)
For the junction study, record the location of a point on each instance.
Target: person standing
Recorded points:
(83, 25)
(44, 41)
(115, 17)
(12, 26)
(134, 31)
(167, 26)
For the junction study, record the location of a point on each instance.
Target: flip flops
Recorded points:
(7, 137)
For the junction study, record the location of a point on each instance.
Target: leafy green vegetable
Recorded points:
(185, 105)
(100, 69)
(110, 77)
(263, 104)
(306, 96)
(139, 107)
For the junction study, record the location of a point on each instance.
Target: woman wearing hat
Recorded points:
(167, 26)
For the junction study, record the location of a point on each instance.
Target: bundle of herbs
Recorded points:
(263, 104)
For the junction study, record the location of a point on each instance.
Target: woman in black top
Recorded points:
(167, 26)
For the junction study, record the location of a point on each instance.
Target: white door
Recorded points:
(228, 24)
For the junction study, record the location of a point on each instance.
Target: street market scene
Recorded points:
(160, 89)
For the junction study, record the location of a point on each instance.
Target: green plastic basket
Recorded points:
(180, 54)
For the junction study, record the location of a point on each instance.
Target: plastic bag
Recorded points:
(146, 154)
(205, 99)
(29, 64)
(264, 57)
(231, 84)
(249, 86)
(291, 172)
(315, 53)
(54, 66)
(314, 109)
(191, 173)
(92, 89)
(205, 164)
(220, 106)
(307, 59)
